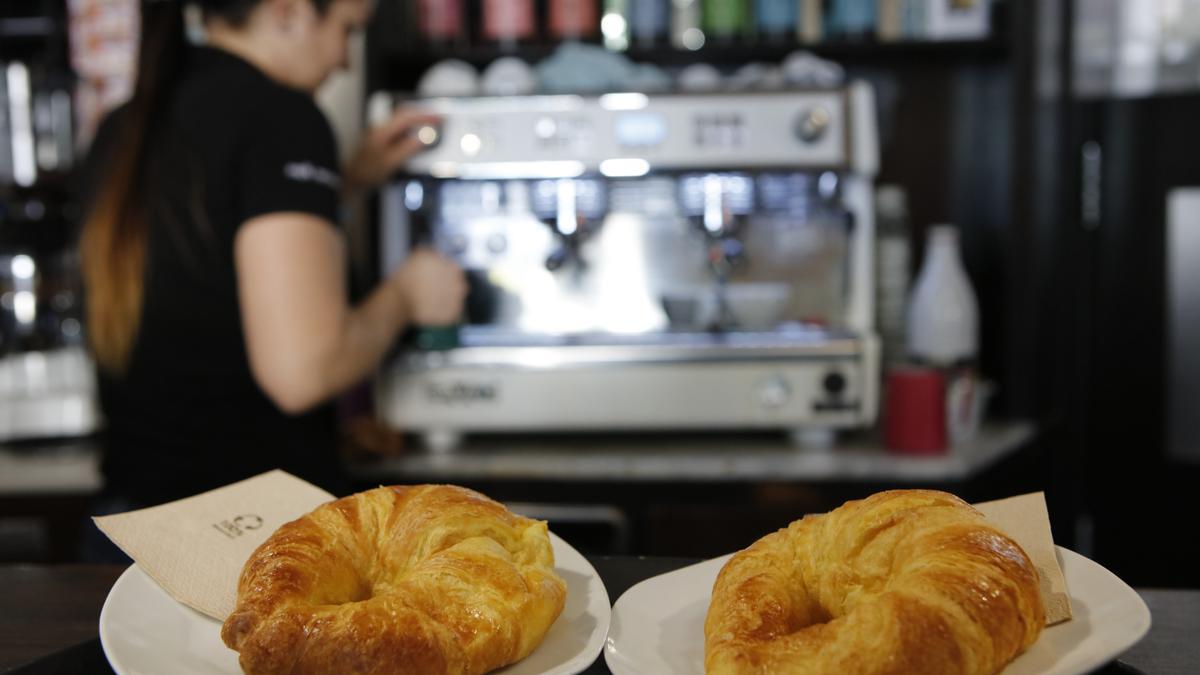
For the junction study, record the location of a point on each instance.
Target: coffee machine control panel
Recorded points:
(631, 134)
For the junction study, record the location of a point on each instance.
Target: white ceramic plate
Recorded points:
(658, 625)
(145, 632)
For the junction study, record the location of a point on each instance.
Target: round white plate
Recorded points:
(145, 632)
(658, 625)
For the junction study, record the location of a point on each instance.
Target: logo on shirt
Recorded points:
(307, 172)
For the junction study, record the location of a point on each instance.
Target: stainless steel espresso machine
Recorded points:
(673, 262)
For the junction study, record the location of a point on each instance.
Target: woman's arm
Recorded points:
(305, 342)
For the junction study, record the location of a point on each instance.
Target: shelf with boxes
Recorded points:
(406, 38)
(689, 24)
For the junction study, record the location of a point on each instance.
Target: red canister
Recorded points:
(441, 20)
(508, 21)
(573, 19)
(915, 411)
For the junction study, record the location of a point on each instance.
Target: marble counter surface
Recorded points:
(61, 467)
(695, 458)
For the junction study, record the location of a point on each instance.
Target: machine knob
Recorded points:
(429, 135)
(774, 393)
(834, 384)
(812, 124)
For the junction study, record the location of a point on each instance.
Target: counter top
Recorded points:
(724, 457)
(53, 467)
(49, 618)
(74, 467)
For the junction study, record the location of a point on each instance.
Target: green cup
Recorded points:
(436, 338)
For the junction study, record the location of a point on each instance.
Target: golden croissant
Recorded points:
(424, 579)
(907, 581)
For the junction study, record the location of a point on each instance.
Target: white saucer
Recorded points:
(658, 625)
(144, 631)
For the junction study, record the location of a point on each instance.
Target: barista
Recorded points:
(214, 267)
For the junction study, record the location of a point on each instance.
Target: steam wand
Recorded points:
(724, 256)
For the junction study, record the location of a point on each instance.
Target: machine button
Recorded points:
(470, 144)
(497, 242)
(458, 244)
(812, 124)
(546, 128)
(774, 393)
(834, 383)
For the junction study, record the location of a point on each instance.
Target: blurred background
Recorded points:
(731, 262)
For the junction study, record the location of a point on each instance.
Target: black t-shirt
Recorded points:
(187, 415)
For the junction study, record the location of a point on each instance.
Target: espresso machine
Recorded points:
(641, 262)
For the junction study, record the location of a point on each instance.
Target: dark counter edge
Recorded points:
(88, 657)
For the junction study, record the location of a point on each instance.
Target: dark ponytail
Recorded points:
(113, 241)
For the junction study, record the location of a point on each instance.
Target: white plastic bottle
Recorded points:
(943, 314)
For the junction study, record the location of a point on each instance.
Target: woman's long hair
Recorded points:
(113, 242)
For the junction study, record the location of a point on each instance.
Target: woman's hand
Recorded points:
(432, 288)
(385, 148)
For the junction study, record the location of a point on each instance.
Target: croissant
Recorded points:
(424, 579)
(906, 581)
